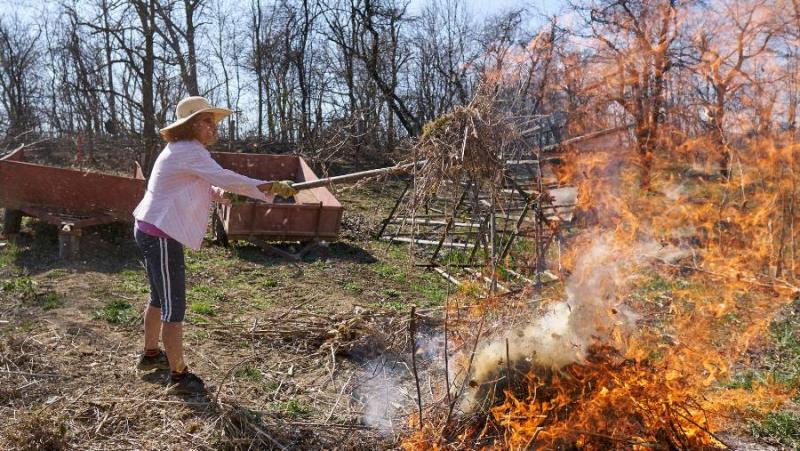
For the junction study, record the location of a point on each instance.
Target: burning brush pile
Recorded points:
(637, 350)
(566, 380)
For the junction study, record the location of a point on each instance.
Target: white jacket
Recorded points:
(181, 188)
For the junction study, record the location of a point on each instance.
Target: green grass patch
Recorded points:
(780, 427)
(117, 311)
(354, 286)
(49, 301)
(207, 294)
(261, 302)
(25, 290)
(292, 408)
(210, 258)
(199, 334)
(202, 308)
(396, 304)
(57, 272)
(196, 319)
(269, 283)
(22, 288)
(248, 372)
(134, 282)
(745, 380)
(129, 274)
(785, 359)
(732, 319)
(654, 283)
(655, 288)
(433, 292)
(8, 255)
(390, 272)
(398, 252)
(456, 257)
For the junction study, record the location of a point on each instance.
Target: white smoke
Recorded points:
(592, 313)
(385, 397)
(387, 391)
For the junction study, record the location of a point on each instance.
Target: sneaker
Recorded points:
(189, 384)
(158, 362)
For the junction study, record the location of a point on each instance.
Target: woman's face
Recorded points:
(205, 129)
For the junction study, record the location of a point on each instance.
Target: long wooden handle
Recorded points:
(409, 166)
(356, 176)
(586, 137)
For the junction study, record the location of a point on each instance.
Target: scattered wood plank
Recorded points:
(427, 242)
(488, 280)
(447, 276)
(437, 223)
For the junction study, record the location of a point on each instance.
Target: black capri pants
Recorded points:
(166, 271)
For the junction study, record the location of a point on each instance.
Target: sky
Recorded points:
(483, 8)
(480, 8)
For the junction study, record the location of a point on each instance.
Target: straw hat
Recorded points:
(192, 106)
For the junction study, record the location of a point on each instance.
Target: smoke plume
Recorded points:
(592, 313)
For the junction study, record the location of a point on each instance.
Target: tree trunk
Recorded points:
(146, 11)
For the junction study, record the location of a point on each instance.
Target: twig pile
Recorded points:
(471, 143)
(243, 427)
(339, 333)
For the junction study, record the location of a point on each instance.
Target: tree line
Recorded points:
(367, 73)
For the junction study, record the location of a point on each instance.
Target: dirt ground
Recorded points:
(324, 328)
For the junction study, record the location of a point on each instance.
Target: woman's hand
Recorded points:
(281, 188)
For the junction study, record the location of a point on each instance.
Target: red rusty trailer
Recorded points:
(68, 198)
(314, 215)
(72, 200)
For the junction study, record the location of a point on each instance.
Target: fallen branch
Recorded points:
(23, 373)
(412, 328)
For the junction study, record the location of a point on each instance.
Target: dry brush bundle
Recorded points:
(470, 143)
(340, 333)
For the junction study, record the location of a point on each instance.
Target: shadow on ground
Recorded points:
(106, 249)
(338, 251)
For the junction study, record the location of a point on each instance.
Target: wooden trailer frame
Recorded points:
(70, 199)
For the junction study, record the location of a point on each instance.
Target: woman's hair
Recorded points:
(183, 132)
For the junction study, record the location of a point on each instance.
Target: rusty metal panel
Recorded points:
(315, 214)
(70, 191)
(260, 166)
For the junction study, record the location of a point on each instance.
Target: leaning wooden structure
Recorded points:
(465, 232)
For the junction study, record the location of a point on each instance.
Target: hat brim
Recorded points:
(219, 114)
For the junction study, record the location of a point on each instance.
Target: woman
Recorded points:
(173, 214)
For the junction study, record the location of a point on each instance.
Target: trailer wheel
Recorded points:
(12, 222)
(220, 235)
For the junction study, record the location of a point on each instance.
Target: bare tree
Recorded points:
(383, 24)
(177, 35)
(445, 53)
(19, 53)
(727, 46)
(143, 64)
(639, 37)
